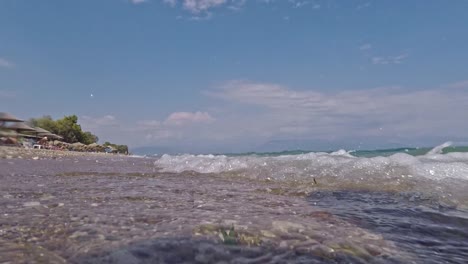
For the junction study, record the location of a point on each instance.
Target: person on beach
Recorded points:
(43, 141)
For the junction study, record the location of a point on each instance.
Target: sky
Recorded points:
(241, 75)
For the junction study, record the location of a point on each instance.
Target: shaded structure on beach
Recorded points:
(7, 117)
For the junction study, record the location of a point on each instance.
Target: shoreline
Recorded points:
(11, 152)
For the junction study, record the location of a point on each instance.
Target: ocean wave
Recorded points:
(341, 163)
(445, 175)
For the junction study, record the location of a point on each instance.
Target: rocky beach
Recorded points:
(72, 207)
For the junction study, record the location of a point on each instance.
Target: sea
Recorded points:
(405, 205)
(417, 198)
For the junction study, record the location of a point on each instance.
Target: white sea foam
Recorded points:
(336, 164)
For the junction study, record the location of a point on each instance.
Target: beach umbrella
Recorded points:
(28, 136)
(57, 136)
(50, 135)
(21, 127)
(7, 117)
(42, 131)
(8, 133)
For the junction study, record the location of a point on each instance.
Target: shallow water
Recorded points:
(248, 209)
(432, 235)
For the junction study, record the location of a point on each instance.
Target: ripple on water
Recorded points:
(431, 233)
(187, 250)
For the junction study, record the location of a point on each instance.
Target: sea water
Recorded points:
(416, 198)
(385, 206)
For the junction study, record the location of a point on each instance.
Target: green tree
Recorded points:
(45, 122)
(122, 149)
(88, 138)
(67, 127)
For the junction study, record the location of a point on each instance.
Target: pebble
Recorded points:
(78, 234)
(35, 158)
(31, 204)
(284, 226)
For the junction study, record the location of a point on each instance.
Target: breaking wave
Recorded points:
(445, 175)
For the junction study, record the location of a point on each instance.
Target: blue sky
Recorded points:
(236, 75)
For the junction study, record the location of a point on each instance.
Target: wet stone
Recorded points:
(31, 204)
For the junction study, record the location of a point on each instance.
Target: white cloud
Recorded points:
(254, 112)
(177, 126)
(237, 5)
(184, 118)
(299, 3)
(389, 59)
(363, 6)
(136, 2)
(4, 63)
(385, 111)
(197, 6)
(204, 6)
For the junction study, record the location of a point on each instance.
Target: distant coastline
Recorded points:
(46, 133)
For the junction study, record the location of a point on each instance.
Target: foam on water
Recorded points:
(336, 164)
(444, 174)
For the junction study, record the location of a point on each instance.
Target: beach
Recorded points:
(70, 207)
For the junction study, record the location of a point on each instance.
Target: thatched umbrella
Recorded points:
(7, 117)
(8, 133)
(21, 127)
(50, 135)
(40, 130)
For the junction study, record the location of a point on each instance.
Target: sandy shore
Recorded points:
(23, 153)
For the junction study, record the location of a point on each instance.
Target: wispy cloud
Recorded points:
(4, 63)
(205, 16)
(256, 112)
(204, 9)
(363, 5)
(237, 5)
(178, 125)
(198, 6)
(299, 3)
(389, 59)
(184, 118)
(136, 2)
(386, 111)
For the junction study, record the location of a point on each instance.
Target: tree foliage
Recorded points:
(122, 149)
(67, 127)
(45, 122)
